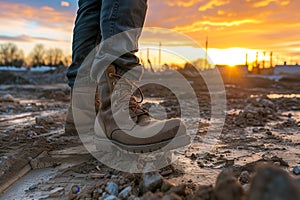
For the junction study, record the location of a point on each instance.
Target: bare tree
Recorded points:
(49, 57)
(37, 55)
(54, 57)
(58, 57)
(10, 55)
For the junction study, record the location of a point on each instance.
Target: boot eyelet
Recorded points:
(110, 75)
(114, 83)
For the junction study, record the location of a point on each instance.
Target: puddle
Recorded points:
(278, 96)
(20, 189)
(295, 114)
(153, 100)
(34, 87)
(233, 111)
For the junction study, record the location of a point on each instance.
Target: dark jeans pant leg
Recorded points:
(116, 17)
(86, 35)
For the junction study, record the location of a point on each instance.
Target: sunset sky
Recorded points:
(234, 27)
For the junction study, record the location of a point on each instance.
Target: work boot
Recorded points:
(121, 120)
(70, 128)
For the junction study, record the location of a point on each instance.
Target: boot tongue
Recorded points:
(134, 74)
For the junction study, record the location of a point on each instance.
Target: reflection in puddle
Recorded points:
(233, 111)
(278, 96)
(153, 100)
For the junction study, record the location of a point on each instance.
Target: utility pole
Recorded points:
(159, 55)
(149, 61)
(246, 64)
(148, 54)
(206, 53)
(264, 60)
(271, 59)
(256, 64)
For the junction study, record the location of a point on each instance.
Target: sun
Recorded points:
(232, 56)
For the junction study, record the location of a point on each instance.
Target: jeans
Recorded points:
(99, 20)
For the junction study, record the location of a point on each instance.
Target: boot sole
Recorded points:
(105, 145)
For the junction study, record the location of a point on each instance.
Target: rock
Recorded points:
(7, 98)
(44, 160)
(96, 175)
(171, 196)
(112, 188)
(125, 192)
(244, 177)
(180, 190)
(243, 137)
(193, 156)
(227, 187)
(56, 192)
(296, 170)
(132, 197)
(229, 162)
(255, 130)
(280, 160)
(104, 195)
(204, 193)
(269, 133)
(166, 186)
(39, 127)
(111, 197)
(273, 183)
(32, 187)
(43, 120)
(150, 196)
(200, 164)
(97, 193)
(151, 182)
(166, 172)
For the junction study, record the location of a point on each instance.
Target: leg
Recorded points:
(116, 100)
(118, 16)
(86, 35)
(123, 124)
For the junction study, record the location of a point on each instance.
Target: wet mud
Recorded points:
(256, 156)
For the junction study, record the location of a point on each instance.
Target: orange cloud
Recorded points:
(264, 3)
(183, 3)
(65, 4)
(47, 8)
(199, 25)
(48, 18)
(27, 38)
(212, 4)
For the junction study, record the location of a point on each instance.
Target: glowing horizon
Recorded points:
(234, 27)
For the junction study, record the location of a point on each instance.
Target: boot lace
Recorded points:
(126, 87)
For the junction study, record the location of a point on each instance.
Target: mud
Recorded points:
(256, 153)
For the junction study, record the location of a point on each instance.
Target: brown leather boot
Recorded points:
(122, 121)
(70, 128)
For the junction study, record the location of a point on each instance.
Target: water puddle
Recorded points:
(153, 100)
(20, 190)
(278, 96)
(233, 111)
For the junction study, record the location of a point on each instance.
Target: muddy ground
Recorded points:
(257, 155)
